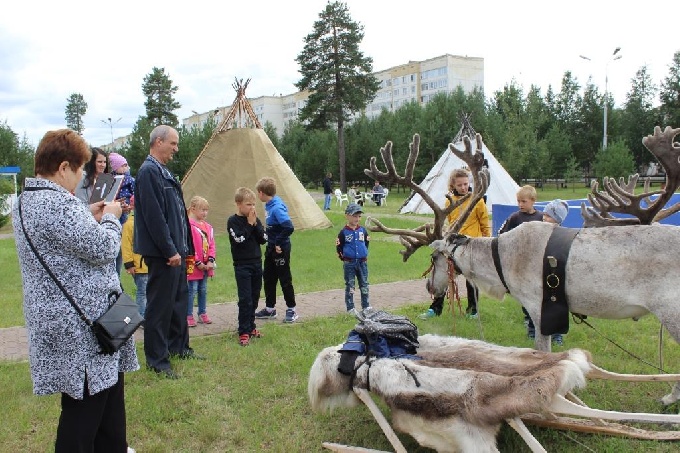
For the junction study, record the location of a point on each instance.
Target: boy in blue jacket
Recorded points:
(352, 247)
(277, 254)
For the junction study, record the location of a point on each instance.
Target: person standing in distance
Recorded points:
(163, 237)
(327, 191)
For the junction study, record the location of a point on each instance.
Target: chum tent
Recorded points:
(502, 188)
(238, 154)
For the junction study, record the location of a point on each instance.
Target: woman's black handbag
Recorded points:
(116, 325)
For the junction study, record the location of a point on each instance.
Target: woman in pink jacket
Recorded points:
(204, 246)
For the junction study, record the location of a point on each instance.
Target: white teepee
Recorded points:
(502, 188)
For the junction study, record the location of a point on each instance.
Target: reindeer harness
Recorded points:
(555, 307)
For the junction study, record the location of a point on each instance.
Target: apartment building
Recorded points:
(413, 81)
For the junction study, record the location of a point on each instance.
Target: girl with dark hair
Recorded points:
(97, 165)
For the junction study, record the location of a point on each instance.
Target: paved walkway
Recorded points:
(385, 296)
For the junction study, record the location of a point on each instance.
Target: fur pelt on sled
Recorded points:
(455, 399)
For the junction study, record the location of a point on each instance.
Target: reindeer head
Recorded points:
(621, 197)
(430, 232)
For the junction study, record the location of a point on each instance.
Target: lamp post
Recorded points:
(606, 67)
(111, 123)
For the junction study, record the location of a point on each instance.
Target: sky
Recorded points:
(49, 50)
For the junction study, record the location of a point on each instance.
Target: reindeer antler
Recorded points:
(428, 232)
(621, 197)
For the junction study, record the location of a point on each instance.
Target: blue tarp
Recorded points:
(574, 219)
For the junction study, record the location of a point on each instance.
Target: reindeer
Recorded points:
(606, 275)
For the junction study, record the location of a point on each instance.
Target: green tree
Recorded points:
(16, 153)
(270, 130)
(639, 115)
(76, 107)
(670, 94)
(160, 102)
(616, 161)
(336, 74)
(136, 148)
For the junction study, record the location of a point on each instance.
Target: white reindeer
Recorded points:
(613, 272)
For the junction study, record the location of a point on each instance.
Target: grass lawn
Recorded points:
(254, 399)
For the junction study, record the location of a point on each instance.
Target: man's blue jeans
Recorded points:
(327, 202)
(356, 269)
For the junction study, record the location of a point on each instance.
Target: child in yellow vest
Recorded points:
(134, 263)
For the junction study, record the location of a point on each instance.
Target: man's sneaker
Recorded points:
(352, 312)
(191, 322)
(472, 315)
(291, 316)
(203, 318)
(266, 314)
(557, 339)
(244, 339)
(428, 314)
(255, 333)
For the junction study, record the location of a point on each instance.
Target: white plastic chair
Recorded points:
(340, 197)
(383, 202)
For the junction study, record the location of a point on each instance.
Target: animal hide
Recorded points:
(456, 397)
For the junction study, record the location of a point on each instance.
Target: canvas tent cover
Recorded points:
(502, 188)
(240, 157)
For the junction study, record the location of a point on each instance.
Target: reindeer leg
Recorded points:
(561, 405)
(673, 396)
(518, 425)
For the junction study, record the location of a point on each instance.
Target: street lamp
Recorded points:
(111, 123)
(606, 67)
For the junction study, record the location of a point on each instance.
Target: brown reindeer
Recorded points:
(607, 276)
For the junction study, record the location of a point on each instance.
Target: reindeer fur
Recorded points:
(467, 388)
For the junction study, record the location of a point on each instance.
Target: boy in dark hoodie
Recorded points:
(277, 254)
(246, 233)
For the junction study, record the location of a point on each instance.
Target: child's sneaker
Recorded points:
(204, 318)
(244, 339)
(557, 339)
(266, 314)
(191, 322)
(255, 333)
(428, 314)
(291, 316)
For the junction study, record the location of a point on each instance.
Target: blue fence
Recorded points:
(574, 219)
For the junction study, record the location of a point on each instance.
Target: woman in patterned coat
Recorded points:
(80, 245)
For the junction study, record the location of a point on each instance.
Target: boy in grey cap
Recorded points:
(555, 211)
(352, 248)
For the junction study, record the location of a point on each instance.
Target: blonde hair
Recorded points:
(198, 202)
(527, 192)
(457, 173)
(244, 194)
(267, 186)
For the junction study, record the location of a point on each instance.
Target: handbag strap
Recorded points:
(47, 268)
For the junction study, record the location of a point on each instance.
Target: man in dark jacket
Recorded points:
(163, 237)
(327, 191)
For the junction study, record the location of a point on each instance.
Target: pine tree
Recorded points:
(670, 94)
(336, 74)
(76, 108)
(160, 102)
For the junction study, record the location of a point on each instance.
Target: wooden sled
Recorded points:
(561, 405)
